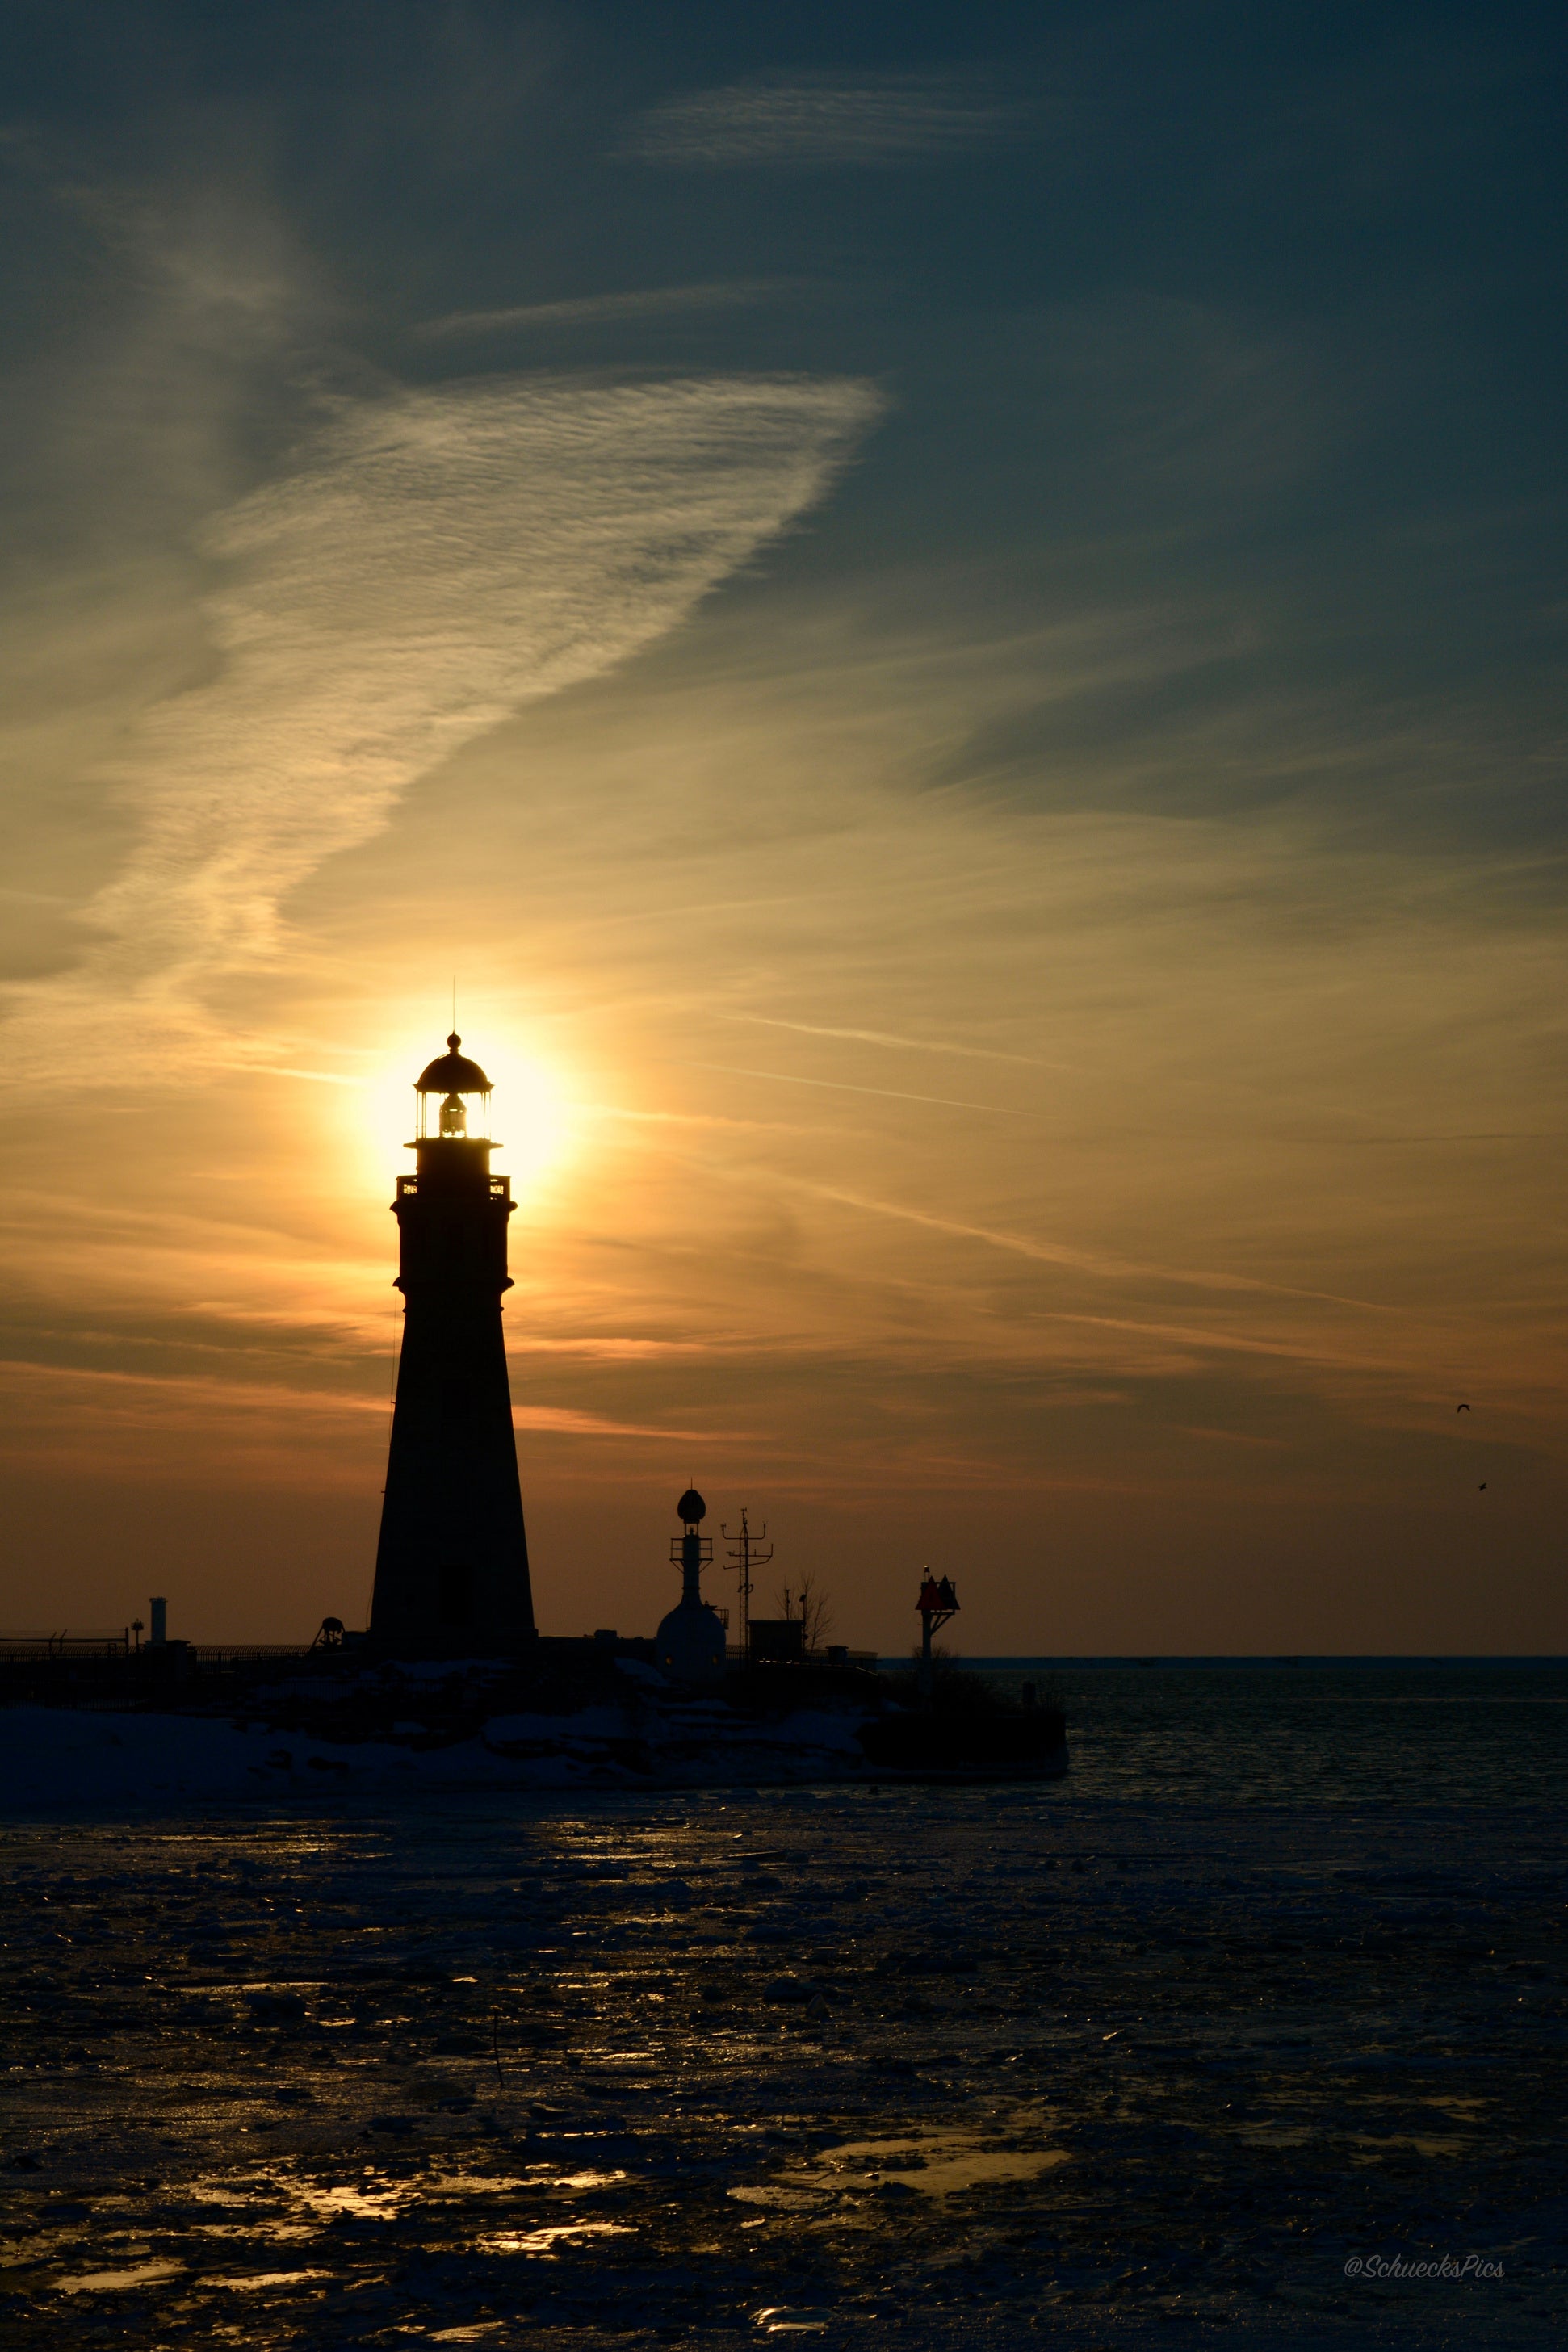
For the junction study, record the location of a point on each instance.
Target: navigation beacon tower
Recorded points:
(451, 1569)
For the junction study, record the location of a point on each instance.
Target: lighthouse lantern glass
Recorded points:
(460, 1116)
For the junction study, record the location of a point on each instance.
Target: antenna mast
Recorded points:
(746, 1551)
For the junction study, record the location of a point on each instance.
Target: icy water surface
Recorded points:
(1082, 2062)
(1424, 1730)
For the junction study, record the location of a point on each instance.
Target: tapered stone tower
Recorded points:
(451, 1569)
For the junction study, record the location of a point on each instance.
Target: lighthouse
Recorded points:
(451, 1568)
(689, 1644)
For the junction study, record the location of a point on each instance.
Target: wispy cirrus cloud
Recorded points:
(896, 1044)
(606, 309)
(1105, 1268)
(433, 561)
(567, 1420)
(881, 120)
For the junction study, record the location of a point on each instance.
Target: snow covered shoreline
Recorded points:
(66, 1756)
(51, 1755)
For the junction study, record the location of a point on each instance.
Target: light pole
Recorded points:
(938, 1603)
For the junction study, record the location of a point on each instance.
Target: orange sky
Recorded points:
(1058, 1200)
(982, 764)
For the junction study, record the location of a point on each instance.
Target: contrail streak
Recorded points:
(842, 1087)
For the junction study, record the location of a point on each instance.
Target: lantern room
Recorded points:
(454, 1098)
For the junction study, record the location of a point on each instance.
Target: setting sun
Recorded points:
(526, 1115)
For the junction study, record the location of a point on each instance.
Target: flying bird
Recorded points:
(1483, 1487)
(1461, 1408)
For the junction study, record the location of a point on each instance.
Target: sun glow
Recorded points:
(526, 1114)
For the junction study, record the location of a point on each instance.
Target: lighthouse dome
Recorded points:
(452, 1073)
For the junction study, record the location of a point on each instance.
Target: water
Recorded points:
(1270, 1988)
(1326, 1731)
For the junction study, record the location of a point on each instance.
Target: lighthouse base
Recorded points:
(689, 1645)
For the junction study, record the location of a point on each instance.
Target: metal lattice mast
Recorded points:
(746, 1551)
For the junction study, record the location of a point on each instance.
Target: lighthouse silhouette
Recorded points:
(451, 1568)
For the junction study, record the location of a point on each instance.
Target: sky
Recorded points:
(948, 623)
